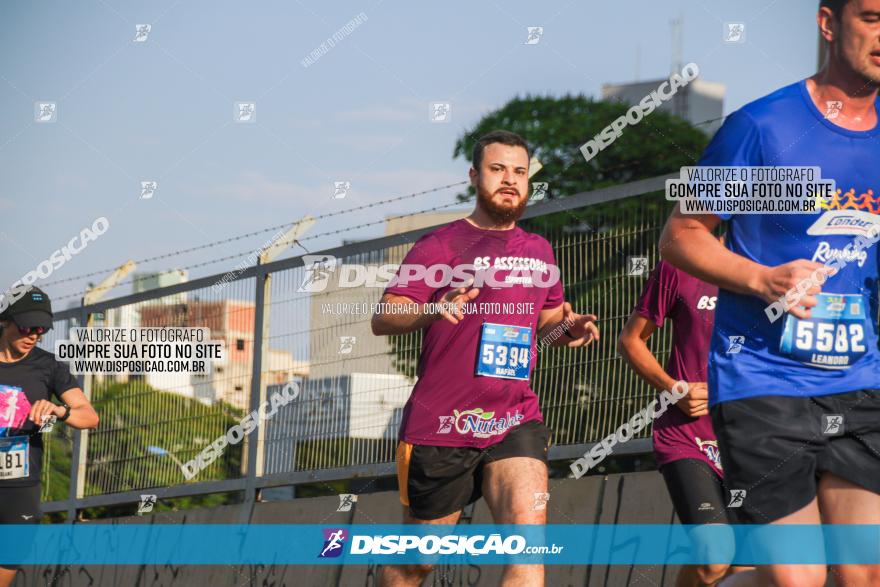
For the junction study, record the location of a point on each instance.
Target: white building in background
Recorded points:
(696, 102)
(129, 315)
(357, 406)
(231, 321)
(155, 279)
(397, 225)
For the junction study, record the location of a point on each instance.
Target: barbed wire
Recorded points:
(310, 237)
(284, 242)
(256, 232)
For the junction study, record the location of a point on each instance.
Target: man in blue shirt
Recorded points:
(794, 368)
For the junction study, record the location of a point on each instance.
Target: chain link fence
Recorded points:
(353, 385)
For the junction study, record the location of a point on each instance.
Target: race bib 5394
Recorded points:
(504, 351)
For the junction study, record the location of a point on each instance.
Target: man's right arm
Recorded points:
(687, 242)
(409, 318)
(633, 347)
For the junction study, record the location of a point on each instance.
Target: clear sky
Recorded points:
(163, 109)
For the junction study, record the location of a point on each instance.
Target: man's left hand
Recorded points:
(581, 327)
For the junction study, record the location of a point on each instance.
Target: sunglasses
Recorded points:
(38, 330)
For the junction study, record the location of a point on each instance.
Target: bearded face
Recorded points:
(503, 206)
(502, 182)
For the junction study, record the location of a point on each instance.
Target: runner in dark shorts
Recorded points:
(472, 426)
(684, 442)
(794, 366)
(29, 378)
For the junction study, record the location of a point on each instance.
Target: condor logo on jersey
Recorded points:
(850, 222)
(848, 214)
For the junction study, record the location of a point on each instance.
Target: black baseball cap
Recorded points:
(30, 310)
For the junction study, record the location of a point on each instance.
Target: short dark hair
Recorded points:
(836, 6)
(505, 137)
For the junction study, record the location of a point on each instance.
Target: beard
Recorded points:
(500, 214)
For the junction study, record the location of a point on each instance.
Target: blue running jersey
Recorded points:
(836, 350)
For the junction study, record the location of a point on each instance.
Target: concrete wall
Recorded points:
(631, 498)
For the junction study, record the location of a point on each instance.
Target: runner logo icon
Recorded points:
(736, 344)
(334, 541)
(832, 424)
(737, 496)
(346, 501)
(146, 504)
(446, 423)
(318, 270)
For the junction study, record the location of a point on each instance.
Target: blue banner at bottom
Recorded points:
(221, 544)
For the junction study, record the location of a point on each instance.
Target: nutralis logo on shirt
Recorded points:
(484, 271)
(479, 423)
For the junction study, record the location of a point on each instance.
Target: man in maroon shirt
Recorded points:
(684, 442)
(472, 426)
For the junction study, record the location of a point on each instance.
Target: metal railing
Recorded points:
(353, 384)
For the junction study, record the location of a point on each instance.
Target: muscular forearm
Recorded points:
(555, 335)
(82, 417)
(410, 318)
(691, 246)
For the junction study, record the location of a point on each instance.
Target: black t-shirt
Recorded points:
(22, 383)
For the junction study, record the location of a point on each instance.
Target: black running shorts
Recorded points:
(774, 449)
(436, 481)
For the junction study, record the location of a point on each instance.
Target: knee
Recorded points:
(392, 574)
(800, 576)
(711, 574)
(857, 574)
(420, 571)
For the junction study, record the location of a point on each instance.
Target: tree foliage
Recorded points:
(555, 129)
(135, 416)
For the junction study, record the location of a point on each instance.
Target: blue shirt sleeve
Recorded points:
(736, 144)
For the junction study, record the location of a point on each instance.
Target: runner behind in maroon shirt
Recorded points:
(684, 443)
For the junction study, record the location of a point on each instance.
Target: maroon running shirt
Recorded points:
(450, 405)
(690, 304)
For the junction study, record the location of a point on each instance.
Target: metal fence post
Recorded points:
(255, 440)
(79, 454)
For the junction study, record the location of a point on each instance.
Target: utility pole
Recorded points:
(254, 456)
(81, 437)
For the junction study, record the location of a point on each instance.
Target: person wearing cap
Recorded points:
(29, 378)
